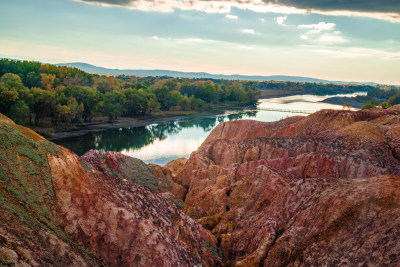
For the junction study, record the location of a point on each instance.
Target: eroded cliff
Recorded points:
(315, 190)
(58, 209)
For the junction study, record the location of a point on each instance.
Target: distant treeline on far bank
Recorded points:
(31, 92)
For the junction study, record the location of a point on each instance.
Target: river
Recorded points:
(163, 142)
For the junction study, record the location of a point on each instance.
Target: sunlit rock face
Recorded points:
(315, 190)
(58, 209)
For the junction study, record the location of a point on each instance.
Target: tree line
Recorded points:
(387, 98)
(314, 88)
(31, 92)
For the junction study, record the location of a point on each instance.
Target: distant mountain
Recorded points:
(105, 71)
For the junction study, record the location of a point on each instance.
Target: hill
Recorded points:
(106, 71)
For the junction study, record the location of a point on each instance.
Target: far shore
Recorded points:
(101, 123)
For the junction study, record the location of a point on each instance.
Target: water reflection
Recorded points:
(163, 142)
(183, 136)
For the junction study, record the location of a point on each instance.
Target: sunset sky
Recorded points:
(328, 39)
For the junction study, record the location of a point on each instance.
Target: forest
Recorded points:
(31, 92)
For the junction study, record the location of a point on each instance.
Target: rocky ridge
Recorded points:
(315, 190)
(57, 208)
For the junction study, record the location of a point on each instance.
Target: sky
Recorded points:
(336, 40)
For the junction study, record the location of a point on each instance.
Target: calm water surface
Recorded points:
(163, 142)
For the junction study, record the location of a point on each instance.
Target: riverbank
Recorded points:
(101, 123)
(355, 102)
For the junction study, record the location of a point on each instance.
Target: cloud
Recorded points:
(250, 31)
(280, 20)
(330, 38)
(322, 32)
(229, 16)
(317, 28)
(359, 52)
(389, 6)
(384, 10)
(111, 2)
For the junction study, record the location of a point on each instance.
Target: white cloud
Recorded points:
(322, 32)
(250, 31)
(330, 38)
(262, 20)
(229, 16)
(212, 6)
(359, 52)
(317, 28)
(281, 20)
(155, 37)
(224, 7)
(392, 17)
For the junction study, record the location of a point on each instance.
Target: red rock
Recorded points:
(124, 224)
(316, 190)
(58, 209)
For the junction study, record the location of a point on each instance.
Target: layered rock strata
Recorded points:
(58, 209)
(317, 190)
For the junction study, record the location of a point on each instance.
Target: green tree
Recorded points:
(89, 97)
(162, 94)
(114, 105)
(11, 90)
(384, 105)
(207, 93)
(184, 103)
(252, 96)
(135, 102)
(196, 103)
(173, 98)
(139, 102)
(394, 100)
(43, 104)
(19, 112)
(33, 79)
(369, 105)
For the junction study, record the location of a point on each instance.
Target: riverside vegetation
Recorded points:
(386, 98)
(32, 93)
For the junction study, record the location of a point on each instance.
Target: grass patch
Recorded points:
(52, 148)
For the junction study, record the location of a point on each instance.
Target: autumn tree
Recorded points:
(47, 81)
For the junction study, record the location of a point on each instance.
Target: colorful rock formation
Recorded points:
(317, 190)
(57, 209)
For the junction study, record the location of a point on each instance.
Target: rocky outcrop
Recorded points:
(154, 177)
(315, 190)
(57, 208)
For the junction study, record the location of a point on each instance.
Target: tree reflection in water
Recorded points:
(138, 137)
